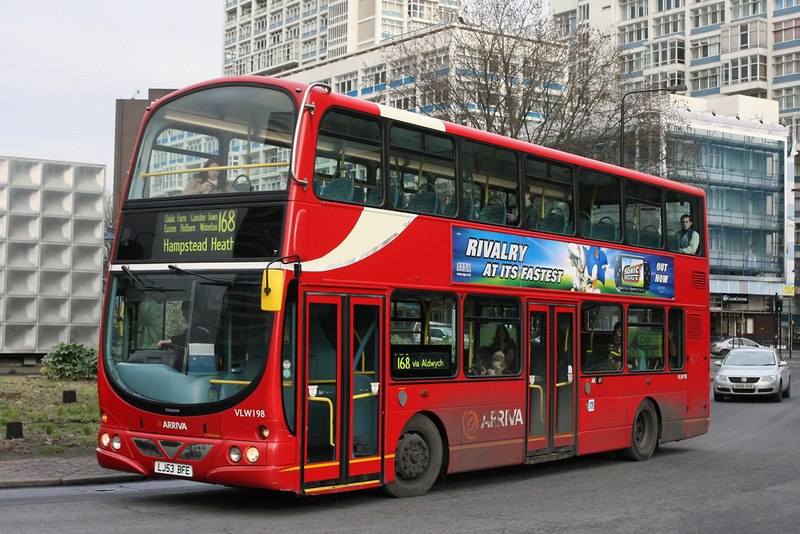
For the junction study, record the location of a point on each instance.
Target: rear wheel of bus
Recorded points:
(418, 459)
(644, 433)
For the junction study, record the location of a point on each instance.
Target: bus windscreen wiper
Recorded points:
(138, 282)
(228, 282)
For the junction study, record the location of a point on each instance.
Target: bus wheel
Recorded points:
(418, 458)
(644, 434)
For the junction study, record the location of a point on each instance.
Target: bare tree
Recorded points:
(505, 68)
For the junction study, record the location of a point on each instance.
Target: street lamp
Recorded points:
(670, 89)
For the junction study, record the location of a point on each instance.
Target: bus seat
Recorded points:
(493, 213)
(650, 237)
(339, 189)
(673, 243)
(449, 209)
(554, 222)
(604, 230)
(585, 224)
(631, 233)
(424, 202)
(468, 206)
(358, 195)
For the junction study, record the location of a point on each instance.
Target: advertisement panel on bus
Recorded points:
(494, 258)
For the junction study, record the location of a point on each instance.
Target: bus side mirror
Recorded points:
(272, 290)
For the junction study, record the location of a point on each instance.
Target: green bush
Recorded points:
(70, 361)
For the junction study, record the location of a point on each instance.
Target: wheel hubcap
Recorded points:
(413, 456)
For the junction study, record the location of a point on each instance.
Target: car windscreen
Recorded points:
(749, 357)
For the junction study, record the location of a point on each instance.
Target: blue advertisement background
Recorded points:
(494, 258)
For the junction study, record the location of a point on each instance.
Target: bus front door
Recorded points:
(551, 384)
(342, 392)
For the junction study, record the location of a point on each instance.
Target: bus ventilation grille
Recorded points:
(693, 327)
(699, 280)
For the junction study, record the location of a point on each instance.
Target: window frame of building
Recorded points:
(346, 83)
(745, 36)
(709, 46)
(786, 30)
(669, 24)
(633, 33)
(666, 5)
(704, 79)
(634, 9)
(708, 15)
(786, 64)
(669, 52)
(747, 8)
(739, 70)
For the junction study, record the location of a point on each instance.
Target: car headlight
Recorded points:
(722, 378)
(767, 379)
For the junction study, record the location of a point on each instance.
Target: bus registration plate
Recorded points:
(168, 468)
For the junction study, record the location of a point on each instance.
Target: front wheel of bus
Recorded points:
(644, 434)
(418, 458)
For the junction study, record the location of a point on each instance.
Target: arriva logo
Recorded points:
(502, 418)
(172, 425)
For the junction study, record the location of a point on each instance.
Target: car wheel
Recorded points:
(719, 397)
(418, 459)
(723, 353)
(644, 433)
(788, 392)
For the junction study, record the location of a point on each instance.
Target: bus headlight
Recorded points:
(235, 454)
(251, 455)
(105, 439)
(116, 443)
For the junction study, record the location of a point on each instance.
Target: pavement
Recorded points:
(57, 471)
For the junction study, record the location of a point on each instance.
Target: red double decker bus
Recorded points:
(315, 293)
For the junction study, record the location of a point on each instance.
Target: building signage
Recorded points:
(494, 258)
(734, 298)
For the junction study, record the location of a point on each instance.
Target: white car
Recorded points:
(724, 345)
(753, 372)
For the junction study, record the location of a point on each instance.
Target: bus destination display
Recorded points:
(421, 361)
(196, 234)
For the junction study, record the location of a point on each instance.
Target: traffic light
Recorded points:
(778, 305)
(768, 305)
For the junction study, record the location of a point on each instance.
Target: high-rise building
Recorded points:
(719, 49)
(715, 47)
(265, 37)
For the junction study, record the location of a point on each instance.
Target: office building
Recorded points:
(266, 37)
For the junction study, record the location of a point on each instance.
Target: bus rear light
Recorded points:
(116, 443)
(105, 439)
(263, 432)
(251, 454)
(235, 454)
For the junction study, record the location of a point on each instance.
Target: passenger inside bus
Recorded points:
(208, 181)
(615, 348)
(688, 238)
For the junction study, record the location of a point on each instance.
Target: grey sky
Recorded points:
(64, 64)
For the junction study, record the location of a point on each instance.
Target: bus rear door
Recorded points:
(551, 384)
(342, 392)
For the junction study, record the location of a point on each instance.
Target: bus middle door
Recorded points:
(342, 392)
(551, 380)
